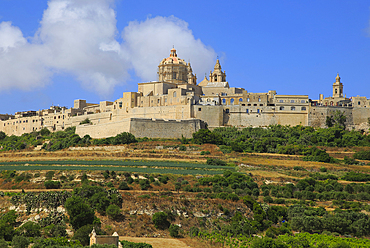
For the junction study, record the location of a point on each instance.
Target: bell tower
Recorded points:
(217, 75)
(337, 87)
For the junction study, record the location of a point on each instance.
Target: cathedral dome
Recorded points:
(173, 59)
(175, 70)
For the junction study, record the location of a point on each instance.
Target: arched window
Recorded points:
(224, 101)
(336, 91)
(259, 99)
(174, 94)
(232, 101)
(215, 78)
(240, 99)
(247, 99)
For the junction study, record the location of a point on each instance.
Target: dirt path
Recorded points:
(157, 242)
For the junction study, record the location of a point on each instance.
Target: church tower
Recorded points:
(337, 87)
(217, 75)
(175, 70)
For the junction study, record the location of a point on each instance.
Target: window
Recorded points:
(281, 108)
(199, 109)
(261, 104)
(158, 100)
(224, 101)
(254, 104)
(174, 75)
(120, 104)
(292, 101)
(336, 91)
(303, 108)
(249, 104)
(292, 108)
(281, 100)
(165, 100)
(247, 110)
(247, 99)
(232, 101)
(359, 103)
(215, 78)
(258, 110)
(303, 101)
(259, 99)
(174, 94)
(227, 111)
(240, 99)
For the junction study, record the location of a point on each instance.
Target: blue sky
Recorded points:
(52, 52)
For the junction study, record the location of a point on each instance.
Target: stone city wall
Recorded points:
(168, 129)
(143, 127)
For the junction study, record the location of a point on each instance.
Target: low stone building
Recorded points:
(104, 239)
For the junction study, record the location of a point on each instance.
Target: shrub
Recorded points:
(174, 231)
(182, 148)
(160, 220)
(20, 242)
(113, 211)
(323, 169)
(123, 186)
(216, 161)
(86, 121)
(30, 229)
(52, 184)
(362, 155)
(3, 244)
(205, 152)
(204, 136)
(127, 244)
(194, 231)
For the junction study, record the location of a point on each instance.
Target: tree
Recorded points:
(20, 242)
(174, 231)
(177, 186)
(124, 138)
(113, 212)
(340, 119)
(268, 243)
(3, 244)
(80, 214)
(160, 220)
(123, 186)
(205, 136)
(30, 229)
(7, 225)
(82, 234)
(2, 135)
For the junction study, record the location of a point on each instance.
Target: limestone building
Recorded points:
(176, 105)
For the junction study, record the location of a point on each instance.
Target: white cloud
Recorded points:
(148, 42)
(78, 37)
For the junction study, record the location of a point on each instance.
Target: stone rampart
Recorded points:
(143, 127)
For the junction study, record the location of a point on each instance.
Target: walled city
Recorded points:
(175, 106)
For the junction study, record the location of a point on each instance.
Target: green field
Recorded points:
(129, 166)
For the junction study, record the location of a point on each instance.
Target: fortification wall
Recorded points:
(104, 130)
(255, 116)
(360, 118)
(317, 115)
(168, 129)
(143, 127)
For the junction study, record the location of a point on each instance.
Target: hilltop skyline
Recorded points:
(53, 52)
